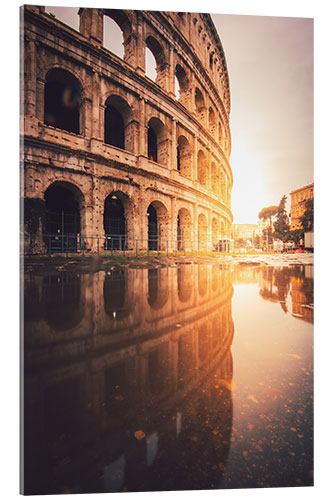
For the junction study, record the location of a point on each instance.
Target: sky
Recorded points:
(270, 66)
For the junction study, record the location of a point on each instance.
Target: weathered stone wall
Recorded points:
(184, 45)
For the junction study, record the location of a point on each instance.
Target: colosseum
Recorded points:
(111, 158)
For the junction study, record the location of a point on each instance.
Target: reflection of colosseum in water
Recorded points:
(155, 356)
(110, 152)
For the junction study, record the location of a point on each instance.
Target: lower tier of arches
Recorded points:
(69, 214)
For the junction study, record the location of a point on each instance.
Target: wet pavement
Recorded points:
(170, 375)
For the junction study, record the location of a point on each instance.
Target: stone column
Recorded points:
(195, 158)
(91, 24)
(209, 231)
(173, 145)
(195, 228)
(30, 78)
(101, 112)
(173, 226)
(95, 126)
(142, 128)
(40, 99)
(140, 47)
(171, 73)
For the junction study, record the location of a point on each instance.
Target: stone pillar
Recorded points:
(209, 170)
(195, 228)
(142, 128)
(171, 73)
(101, 112)
(91, 25)
(195, 158)
(209, 231)
(173, 226)
(173, 145)
(95, 125)
(86, 110)
(140, 47)
(30, 78)
(40, 99)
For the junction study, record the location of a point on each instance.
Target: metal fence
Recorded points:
(122, 245)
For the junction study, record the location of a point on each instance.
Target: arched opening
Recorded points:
(202, 280)
(115, 226)
(184, 226)
(154, 66)
(157, 143)
(64, 306)
(63, 203)
(199, 105)
(117, 123)
(158, 222)
(184, 282)
(113, 36)
(202, 169)
(62, 100)
(211, 118)
(152, 144)
(157, 288)
(115, 290)
(153, 228)
(150, 65)
(181, 83)
(114, 127)
(184, 157)
(202, 233)
(116, 33)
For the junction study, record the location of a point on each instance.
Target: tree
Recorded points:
(268, 213)
(307, 218)
(281, 224)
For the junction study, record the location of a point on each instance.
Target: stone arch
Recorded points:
(202, 233)
(184, 157)
(157, 141)
(157, 51)
(118, 124)
(116, 213)
(157, 288)
(184, 229)
(199, 105)
(181, 83)
(64, 210)
(158, 225)
(184, 282)
(202, 169)
(63, 98)
(115, 294)
(120, 18)
(202, 280)
(211, 121)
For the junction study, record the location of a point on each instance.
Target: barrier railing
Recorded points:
(122, 245)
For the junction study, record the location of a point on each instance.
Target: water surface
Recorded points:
(185, 377)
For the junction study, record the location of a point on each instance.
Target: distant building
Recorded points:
(244, 231)
(298, 199)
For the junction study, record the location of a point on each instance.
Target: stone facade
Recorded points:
(107, 151)
(298, 199)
